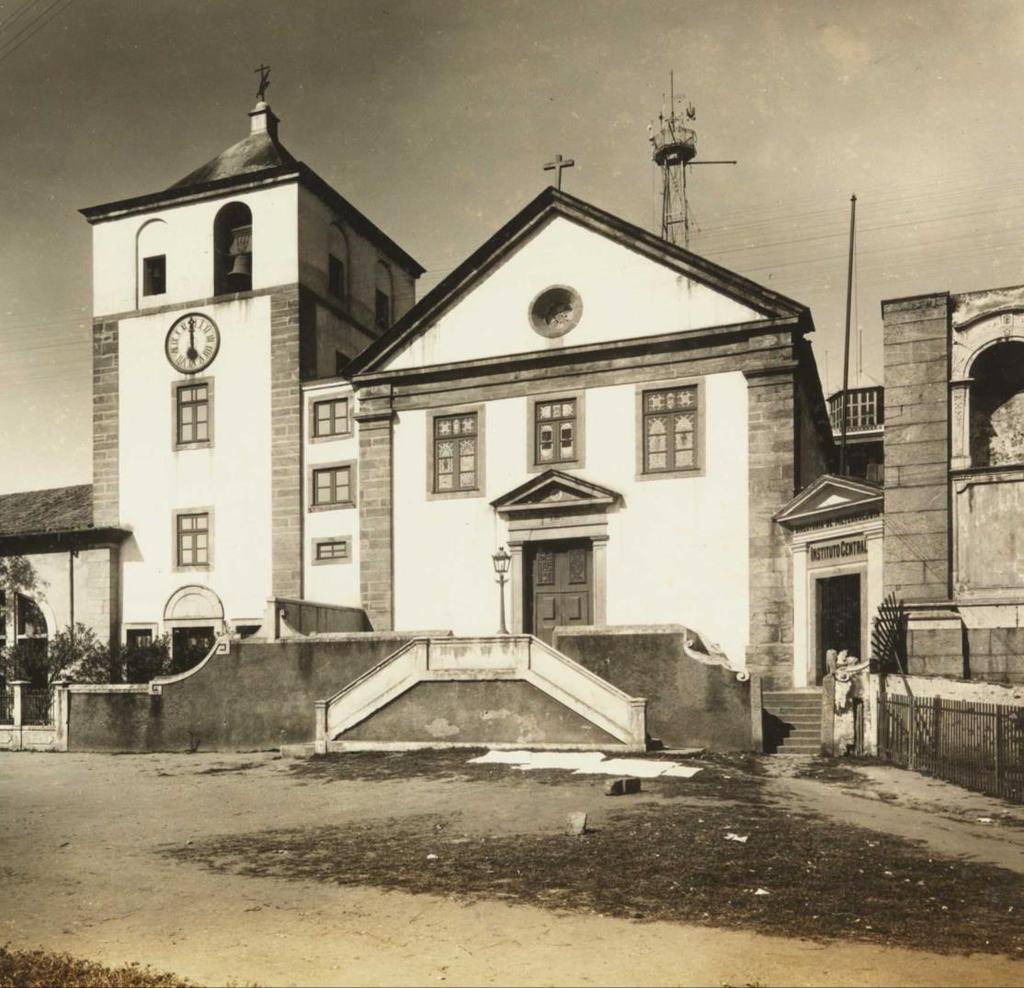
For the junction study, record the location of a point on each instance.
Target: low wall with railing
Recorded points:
(33, 718)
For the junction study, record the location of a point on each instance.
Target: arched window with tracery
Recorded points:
(232, 249)
(997, 406)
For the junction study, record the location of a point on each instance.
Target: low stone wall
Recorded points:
(691, 703)
(258, 694)
(955, 689)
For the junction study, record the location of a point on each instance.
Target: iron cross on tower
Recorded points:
(556, 166)
(264, 71)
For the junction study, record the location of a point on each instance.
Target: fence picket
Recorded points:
(976, 745)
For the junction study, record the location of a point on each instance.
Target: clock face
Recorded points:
(192, 343)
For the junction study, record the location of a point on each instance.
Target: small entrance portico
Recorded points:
(836, 526)
(558, 535)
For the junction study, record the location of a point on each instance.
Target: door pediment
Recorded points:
(831, 498)
(555, 491)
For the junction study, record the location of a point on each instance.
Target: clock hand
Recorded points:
(192, 353)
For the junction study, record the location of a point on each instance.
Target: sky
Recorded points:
(434, 117)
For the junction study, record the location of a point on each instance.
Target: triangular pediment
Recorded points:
(554, 490)
(621, 283)
(830, 498)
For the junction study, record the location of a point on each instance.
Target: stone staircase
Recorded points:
(794, 722)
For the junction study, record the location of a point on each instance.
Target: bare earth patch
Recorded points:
(660, 860)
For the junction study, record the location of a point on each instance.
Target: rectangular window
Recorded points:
(382, 310)
(455, 453)
(193, 537)
(555, 432)
(139, 637)
(670, 429)
(154, 275)
(330, 418)
(192, 414)
(332, 485)
(336, 276)
(332, 549)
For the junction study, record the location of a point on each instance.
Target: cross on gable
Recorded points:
(557, 166)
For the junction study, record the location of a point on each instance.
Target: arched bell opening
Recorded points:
(232, 249)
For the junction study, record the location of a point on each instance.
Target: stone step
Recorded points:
(798, 749)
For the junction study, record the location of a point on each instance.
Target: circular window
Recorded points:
(555, 311)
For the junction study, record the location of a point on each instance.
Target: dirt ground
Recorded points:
(86, 868)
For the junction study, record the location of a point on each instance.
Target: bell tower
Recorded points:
(214, 300)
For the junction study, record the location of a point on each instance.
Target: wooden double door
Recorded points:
(560, 586)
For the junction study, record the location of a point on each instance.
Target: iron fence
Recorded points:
(978, 746)
(6, 705)
(35, 706)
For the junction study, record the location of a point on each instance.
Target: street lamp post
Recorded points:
(502, 559)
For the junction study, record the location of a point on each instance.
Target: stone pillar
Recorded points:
(320, 727)
(376, 506)
(600, 560)
(18, 688)
(916, 341)
(285, 445)
(771, 407)
(802, 643)
(105, 431)
(515, 583)
(60, 714)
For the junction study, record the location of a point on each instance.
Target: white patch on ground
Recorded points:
(586, 763)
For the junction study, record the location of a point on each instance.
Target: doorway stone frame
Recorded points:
(557, 507)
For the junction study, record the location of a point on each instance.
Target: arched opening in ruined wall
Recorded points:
(997, 406)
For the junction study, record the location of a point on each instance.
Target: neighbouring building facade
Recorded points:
(954, 478)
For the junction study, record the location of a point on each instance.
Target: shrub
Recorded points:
(141, 663)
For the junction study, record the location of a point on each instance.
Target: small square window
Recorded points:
(154, 275)
(139, 637)
(331, 418)
(336, 276)
(332, 486)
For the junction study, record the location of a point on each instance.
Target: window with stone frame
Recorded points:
(670, 429)
(455, 453)
(331, 418)
(332, 550)
(192, 414)
(555, 432)
(332, 486)
(138, 637)
(193, 539)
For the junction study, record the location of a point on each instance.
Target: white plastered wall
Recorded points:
(625, 295)
(678, 548)
(232, 477)
(334, 582)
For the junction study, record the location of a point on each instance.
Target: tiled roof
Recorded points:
(255, 153)
(59, 509)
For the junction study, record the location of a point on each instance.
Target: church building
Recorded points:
(274, 417)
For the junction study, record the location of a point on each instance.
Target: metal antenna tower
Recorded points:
(675, 148)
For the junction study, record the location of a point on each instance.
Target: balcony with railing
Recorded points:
(865, 411)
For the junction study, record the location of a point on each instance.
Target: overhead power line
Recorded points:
(30, 30)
